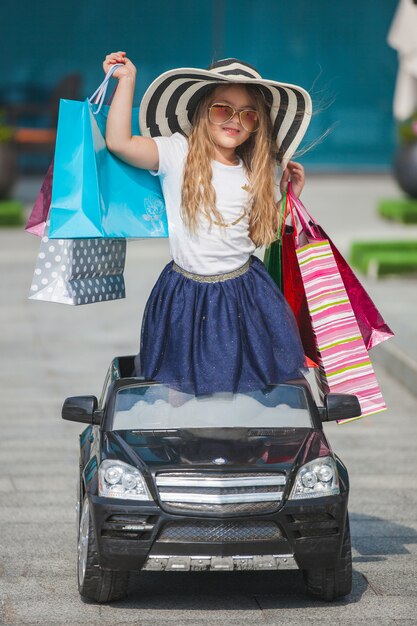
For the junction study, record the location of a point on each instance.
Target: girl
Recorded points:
(215, 321)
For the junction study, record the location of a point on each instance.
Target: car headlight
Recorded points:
(316, 479)
(120, 480)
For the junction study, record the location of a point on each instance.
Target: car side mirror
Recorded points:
(81, 409)
(340, 406)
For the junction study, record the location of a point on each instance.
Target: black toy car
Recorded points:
(173, 482)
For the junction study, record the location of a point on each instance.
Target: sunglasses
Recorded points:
(222, 113)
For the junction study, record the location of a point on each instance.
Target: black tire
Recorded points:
(79, 503)
(329, 584)
(95, 583)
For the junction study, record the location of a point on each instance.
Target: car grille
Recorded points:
(225, 493)
(215, 531)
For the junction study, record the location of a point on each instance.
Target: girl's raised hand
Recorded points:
(295, 172)
(119, 57)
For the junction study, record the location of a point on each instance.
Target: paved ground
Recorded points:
(52, 351)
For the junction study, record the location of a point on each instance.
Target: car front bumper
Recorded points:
(302, 534)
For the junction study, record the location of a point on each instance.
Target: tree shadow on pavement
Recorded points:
(375, 539)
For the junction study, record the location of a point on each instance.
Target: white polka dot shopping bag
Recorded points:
(79, 271)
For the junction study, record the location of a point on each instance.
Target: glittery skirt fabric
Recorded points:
(236, 335)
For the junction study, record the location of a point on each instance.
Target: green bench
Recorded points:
(381, 258)
(402, 210)
(11, 213)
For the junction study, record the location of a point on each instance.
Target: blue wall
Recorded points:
(336, 47)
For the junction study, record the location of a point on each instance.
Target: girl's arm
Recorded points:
(138, 151)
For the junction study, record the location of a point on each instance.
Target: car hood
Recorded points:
(220, 447)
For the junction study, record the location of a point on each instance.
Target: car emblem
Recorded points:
(219, 461)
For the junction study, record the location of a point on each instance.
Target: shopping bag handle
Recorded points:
(282, 214)
(99, 95)
(290, 210)
(307, 222)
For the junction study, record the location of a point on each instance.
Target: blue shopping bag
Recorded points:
(95, 194)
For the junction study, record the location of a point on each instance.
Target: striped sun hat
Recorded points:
(170, 101)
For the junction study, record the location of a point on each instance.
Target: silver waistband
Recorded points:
(217, 278)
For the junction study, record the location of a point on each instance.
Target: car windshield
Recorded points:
(161, 407)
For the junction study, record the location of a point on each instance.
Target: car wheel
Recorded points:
(328, 584)
(93, 582)
(79, 499)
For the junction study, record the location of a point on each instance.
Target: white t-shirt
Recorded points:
(214, 250)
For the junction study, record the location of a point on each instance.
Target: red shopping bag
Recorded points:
(293, 290)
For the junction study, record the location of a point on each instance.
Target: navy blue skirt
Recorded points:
(236, 335)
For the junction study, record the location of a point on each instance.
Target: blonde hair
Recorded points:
(259, 157)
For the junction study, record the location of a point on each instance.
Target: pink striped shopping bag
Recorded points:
(344, 363)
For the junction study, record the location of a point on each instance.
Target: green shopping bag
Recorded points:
(273, 254)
